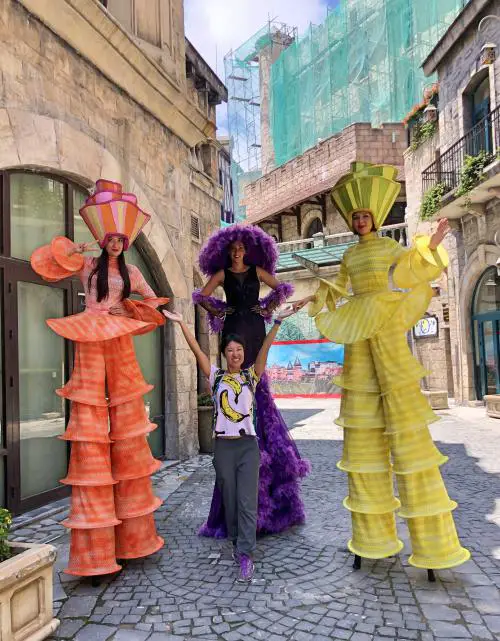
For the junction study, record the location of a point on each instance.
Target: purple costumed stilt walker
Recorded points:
(244, 314)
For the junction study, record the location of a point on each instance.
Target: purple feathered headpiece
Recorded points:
(261, 249)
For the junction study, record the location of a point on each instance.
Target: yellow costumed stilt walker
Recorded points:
(384, 415)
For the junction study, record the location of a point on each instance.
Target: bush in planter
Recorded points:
(205, 437)
(471, 173)
(205, 400)
(5, 523)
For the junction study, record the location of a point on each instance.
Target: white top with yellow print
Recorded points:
(234, 403)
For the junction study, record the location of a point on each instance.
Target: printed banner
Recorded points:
(305, 368)
(302, 363)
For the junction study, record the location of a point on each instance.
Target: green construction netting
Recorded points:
(363, 64)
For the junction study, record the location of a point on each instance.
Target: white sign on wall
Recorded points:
(426, 327)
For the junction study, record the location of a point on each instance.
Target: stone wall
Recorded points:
(60, 114)
(457, 73)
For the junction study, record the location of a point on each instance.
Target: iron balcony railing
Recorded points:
(484, 136)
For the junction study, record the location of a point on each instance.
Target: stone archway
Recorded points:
(483, 257)
(41, 143)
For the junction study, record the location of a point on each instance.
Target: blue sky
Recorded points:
(217, 26)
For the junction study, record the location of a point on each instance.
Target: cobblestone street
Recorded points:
(304, 587)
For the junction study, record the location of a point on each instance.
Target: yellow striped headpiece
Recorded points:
(367, 187)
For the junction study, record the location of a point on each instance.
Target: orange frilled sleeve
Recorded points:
(52, 262)
(144, 310)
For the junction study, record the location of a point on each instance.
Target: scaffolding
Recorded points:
(363, 64)
(242, 73)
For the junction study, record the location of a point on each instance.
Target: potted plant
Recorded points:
(25, 587)
(205, 411)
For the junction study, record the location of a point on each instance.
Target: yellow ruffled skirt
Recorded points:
(385, 418)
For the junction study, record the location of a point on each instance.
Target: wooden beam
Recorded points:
(323, 210)
(296, 211)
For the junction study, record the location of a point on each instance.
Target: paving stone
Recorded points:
(93, 632)
(449, 630)
(130, 635)
(81, 606)
(493, 623)
(68, 628)
(440, 612)
(480, 631)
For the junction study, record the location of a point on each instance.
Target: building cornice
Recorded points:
(89, 29)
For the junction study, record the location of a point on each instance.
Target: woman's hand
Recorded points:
(173, 316)
(285, 312)
(81, 248)
(299, 304)
(437, 237)
(257, 309)
(119, 310)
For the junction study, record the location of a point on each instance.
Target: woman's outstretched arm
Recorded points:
(194, 346)
(261, 360)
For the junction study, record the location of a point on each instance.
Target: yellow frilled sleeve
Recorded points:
(328, 293)
(419, 264)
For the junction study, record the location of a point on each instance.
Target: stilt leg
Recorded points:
(431, 577)
(357, 562)
(96, 581)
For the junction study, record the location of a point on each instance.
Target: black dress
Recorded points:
(242, 293)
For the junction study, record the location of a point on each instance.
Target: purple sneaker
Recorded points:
(246, 569)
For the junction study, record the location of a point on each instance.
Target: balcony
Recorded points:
(483, 137)
(323, 251)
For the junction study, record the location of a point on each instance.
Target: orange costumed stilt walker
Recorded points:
(112, 501)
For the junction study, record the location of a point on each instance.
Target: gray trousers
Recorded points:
(236, 463)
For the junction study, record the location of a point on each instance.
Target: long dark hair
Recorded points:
(101, 270)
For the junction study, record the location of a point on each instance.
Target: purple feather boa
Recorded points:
(216, 324)
(275, 298)
(281, 468)
(261, 249)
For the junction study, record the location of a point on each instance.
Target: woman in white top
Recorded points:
(236, 451)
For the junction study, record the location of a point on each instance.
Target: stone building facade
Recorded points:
(465, 356)
(89, 91)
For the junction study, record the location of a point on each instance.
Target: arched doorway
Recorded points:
(486, 333)
(315, 227)
(35, 207)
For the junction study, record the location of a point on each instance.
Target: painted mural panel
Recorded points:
(302, 363)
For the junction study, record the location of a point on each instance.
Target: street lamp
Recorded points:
(483, 20)
(488, 50)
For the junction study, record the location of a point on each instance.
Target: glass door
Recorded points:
(485, 333)
(487, 356)
(36, 365)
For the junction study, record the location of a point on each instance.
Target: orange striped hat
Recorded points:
(110, 212)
